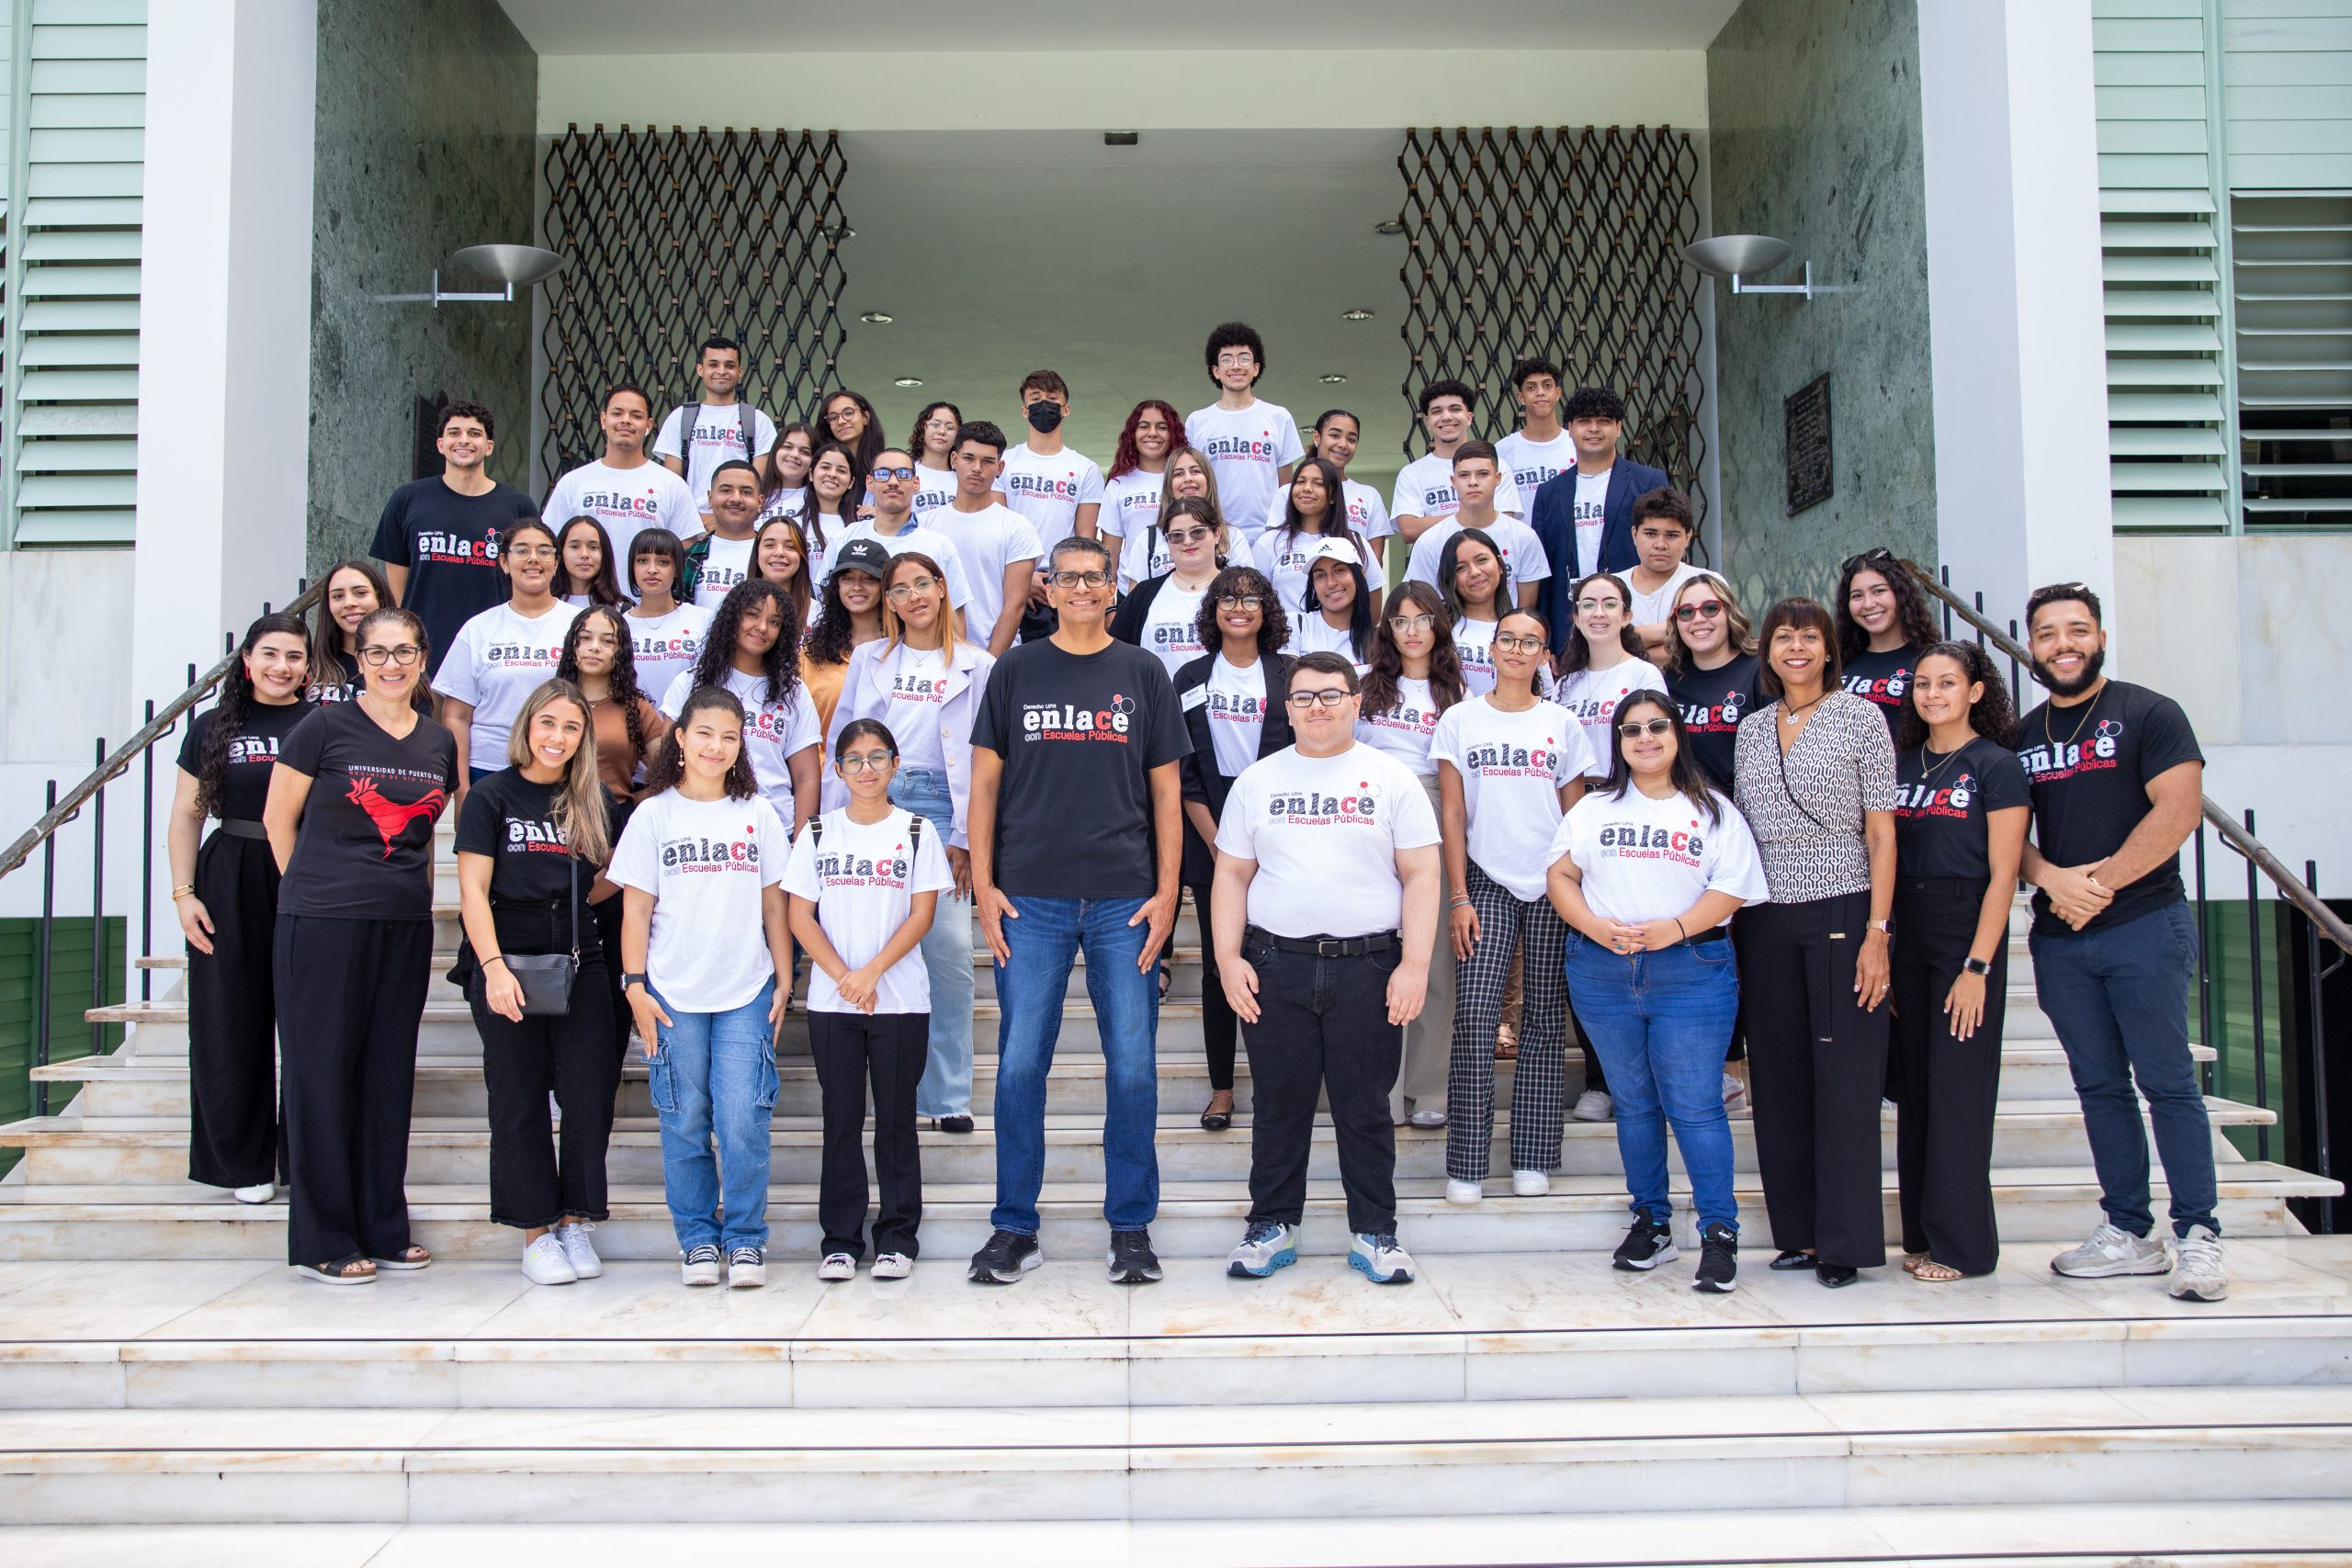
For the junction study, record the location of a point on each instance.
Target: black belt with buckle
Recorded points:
(1323, 946)
(1712, 933)
(244, 827)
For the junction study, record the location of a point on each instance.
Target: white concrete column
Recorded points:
(2016, 328)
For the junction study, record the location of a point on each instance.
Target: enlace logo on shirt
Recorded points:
(1176, 635)
(252, 749)
(1513, 761)
(1068, 721)
(1040, 487)
(1241, 448)
(1926, 800)
(655, 646)
(1630, 840)
(2055, 762)
(692, 854)
(1886, 691)
(1237, 708)
(527, 838)
(456, 549)
(1310, 808)
(522, 653)
(1415, 721)
(620, 503)
(853, 871)
(1720, 718)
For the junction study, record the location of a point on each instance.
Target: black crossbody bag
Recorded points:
(546, 978)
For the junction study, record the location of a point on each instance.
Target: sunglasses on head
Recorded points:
(1880, 557)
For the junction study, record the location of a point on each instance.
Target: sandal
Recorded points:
(1506, 1050)
(352, 1270)
(1167, 978)
(1215, 1121)
(1911, 1261)
(1936, 1273)
(411, 1258)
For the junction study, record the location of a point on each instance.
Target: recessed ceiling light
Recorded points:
(838, 232)
(1120, 137)
(1355, 315)
(878, 318)
(908, 381)
(1391, 226)
(1331, 381)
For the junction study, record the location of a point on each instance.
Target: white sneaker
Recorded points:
(1428, 1120)
(2197, 1268)
(747, 1268)
(837, 1266)
(260, 1193)
(2110, 1252)
(1734, 1094)
(544, 1264)
(1530, 1184)
(892, 1266)
(578, 1250)
(1594, 1105)
(699, 1266)
(1463, 1191)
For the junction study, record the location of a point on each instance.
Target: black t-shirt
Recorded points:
(336, 680)
(252, 753)
(1883, 678)
(511, 820)
(449, 544)
(1713, 702)
(1079, 734)
(1940, 807)
(364, 850)
(2090, 765)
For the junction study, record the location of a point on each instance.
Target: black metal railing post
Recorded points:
(2205, 1032)
(2014, 676)
(98, 905)
(46, 961)
(2254, 992)
(147, 862)
(2318, 1027)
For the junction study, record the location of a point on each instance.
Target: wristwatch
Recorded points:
(1978, 967)
(1883, 928)
(628, 979)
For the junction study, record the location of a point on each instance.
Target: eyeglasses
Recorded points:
(899, 472)
(865, 763)
(531, 552)
(1512, 642)
(1880, 557)
(1403, 623)
(1633, 729)
(1587, 606)
(379, 656)
(902, 591)
(1330, 697)
(1080, 579)
(1190, 535)
(1241, 602)
(1239, 358)
(1705, 610)
(839, 414)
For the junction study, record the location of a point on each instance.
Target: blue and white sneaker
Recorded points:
(1381, 1258)
(1265, 1248)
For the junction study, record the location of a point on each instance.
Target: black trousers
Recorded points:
(537, 1175)
(350, 995)
(235, 1137)
(1595, 1075)
(1944, 1090)
(1322, 1031)
(1816, 1064)
(606, 917)
(853, 1049)
(1219, 1028)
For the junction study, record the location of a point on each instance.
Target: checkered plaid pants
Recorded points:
(1539, 1079)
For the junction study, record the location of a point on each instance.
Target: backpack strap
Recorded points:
(744, 418)
(914, 833)
(816, 828)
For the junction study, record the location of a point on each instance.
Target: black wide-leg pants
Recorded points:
(234, 1136)
(1945, 1089)
(852, 1050)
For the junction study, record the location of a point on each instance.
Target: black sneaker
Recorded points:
(1133, 1262)
(1648, 1244)
(1007, 1257)
(951, 1124)
(1718, 1260)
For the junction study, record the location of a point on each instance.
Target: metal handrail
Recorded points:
(2291, 888)
(118, 763)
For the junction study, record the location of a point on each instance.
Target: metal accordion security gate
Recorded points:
(675, 236)
(1566, 242)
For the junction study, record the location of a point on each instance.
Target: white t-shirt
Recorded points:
(1172, 630)
(935, 487)
(773, 732)
(1530, 463)
(1425, 489)
(1367, 518)
(1650, 860)
(1592, 697)
(1247, 449)
(1406, 730)
(1475, 641)
(988, 541)
(820, 551)
(1235, 697)
(625, 501)
(863, 879)
(913, 684)
(1313, 633)
(924, 539)
(1048, 489)
(1522, 551)
(666, 648)
(1287, 561)
(1651, 608)
(1325, 833)
(496, 660)
(1513, 766)
(718, 437)
(783, 503)
(1591, 520)
(705, 863)
(726, 565)
(1130, 507)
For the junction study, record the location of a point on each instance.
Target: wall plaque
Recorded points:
(1806, 416)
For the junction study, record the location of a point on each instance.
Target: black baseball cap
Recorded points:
(867, 556)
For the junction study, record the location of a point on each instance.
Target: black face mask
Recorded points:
(1045, 416)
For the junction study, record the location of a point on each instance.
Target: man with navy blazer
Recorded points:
(1584, 516)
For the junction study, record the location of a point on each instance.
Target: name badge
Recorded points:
(1197, 697)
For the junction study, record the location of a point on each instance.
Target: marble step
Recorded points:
(1220, 1461)
(1197, 1219)
(136, 1151)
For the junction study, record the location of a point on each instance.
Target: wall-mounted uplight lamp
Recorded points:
(1741, 257)
(509, 264)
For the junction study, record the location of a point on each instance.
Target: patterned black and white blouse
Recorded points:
(1809, 831)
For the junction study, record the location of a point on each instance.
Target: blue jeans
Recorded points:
(1661, 1022)
(947, 1087)
(716, 1076)
(1030, 986)
(2119, 998)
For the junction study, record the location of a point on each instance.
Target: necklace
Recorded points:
(2088, 708)
(1794, 715)
(1927, 772)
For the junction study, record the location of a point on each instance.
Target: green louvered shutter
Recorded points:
(76, 122)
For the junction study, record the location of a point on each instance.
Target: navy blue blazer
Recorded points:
(1553, 516)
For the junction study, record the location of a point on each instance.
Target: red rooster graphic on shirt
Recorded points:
(392, 818)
